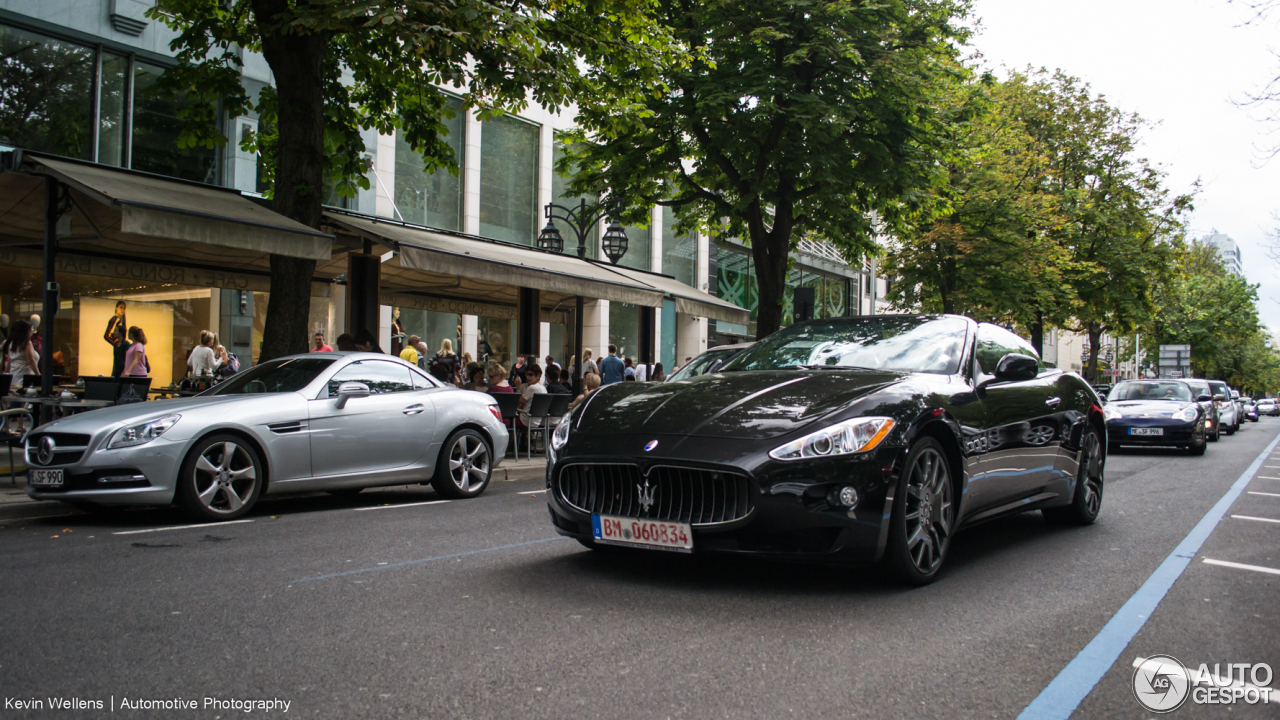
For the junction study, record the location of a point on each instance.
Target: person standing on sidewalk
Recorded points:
(135, 357)
(116, 335)
(612, 367)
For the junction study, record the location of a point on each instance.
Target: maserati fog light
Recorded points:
(846, 497)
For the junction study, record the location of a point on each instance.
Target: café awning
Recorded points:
(473, 260)
(690, 300)
(121, 210)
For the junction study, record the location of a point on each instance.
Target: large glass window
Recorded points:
(624, 329)
(156, 127)
(113, 98)
(560, 193)
(495, 340)
(639, 249)
(46, 94)
(667, 343)
(679, 252)
(509, 180)
(433, 199)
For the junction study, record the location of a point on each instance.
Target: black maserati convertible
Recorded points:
(852, 440)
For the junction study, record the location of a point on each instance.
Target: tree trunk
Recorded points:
(769, 249)
(297, 61)
(1095, 339)
(1037, 333)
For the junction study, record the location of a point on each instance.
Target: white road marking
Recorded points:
(181, 527)
(1241, 566)
(384, 507)
(1262, 493)
(532, 492)
(1264, 477)
(1249, 517)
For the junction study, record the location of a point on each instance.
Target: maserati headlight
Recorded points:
(845, 438)
(561, 434)
(1187, 414)
(142, 434)
(1112, 413)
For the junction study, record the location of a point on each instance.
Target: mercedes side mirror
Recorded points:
(1220, 397)
(1204, 398)
(1016, 367)
(346, 391)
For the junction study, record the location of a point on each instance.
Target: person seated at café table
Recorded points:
(590, 384)
(204, 360)
(345, 343)
(554, 386)
(475, 378)
(498, 379)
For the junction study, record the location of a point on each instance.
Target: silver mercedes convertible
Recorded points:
(336, 422)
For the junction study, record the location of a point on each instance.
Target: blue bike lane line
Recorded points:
(1064, 693)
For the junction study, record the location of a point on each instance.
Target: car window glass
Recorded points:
(381, 377)
(699, 365)
(277, 376)
(883, 342)
(996, 342)
(420, 381)
(1151, 390)
(1198, 387)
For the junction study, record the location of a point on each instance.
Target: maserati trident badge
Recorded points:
(650, 445)
(646, 494)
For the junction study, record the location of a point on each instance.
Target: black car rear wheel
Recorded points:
(923, 515)
(1086, 502)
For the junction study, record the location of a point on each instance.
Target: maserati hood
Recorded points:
(747, 405)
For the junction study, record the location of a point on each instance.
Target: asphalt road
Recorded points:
(384, 605)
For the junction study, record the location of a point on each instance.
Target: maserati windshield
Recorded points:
(913, 344)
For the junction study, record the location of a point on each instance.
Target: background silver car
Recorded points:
(336, 422)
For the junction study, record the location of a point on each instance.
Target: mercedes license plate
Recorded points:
(46, 478)
(1146, 431)
(652, 534)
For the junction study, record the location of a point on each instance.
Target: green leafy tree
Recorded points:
(342, 66)
(1202, 304)
(795, 118)
(1117, 221)
(982, 246)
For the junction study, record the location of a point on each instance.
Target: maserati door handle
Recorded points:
(414, 409)
(1053, 401)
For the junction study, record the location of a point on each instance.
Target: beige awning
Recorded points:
(690, 300)
(480, 260)
(125, 208)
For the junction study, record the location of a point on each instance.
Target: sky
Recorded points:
(1183, 65)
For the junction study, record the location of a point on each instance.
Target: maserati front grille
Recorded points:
(673, 494)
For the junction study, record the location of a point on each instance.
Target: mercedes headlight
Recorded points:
(141, 434)
(845, 438)
(1187, 414)
(561, 434)
(1112, 413)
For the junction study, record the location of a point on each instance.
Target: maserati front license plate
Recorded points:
(652, 534)
(1146, 431)
(46, 478)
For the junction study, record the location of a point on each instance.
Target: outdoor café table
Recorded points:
(76, 405)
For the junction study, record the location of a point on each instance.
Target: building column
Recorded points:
(544, 345)
(691, 337)
(471, 214)
(384, 186)
(655, 262)
(595, 328)
(470, 329)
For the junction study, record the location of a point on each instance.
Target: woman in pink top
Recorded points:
(135, 358)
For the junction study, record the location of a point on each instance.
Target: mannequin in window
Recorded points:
(397, 332)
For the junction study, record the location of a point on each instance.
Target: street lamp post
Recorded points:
(581, 220)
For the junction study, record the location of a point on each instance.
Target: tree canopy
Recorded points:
(796, 118)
